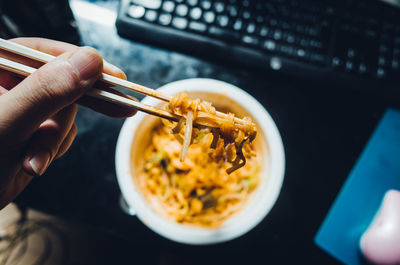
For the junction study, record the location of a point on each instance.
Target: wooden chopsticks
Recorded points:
(109, 79)
(94, 92)
(97, 93)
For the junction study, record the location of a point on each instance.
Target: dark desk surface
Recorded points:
(323, 129)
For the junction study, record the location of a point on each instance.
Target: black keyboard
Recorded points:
(336, 41)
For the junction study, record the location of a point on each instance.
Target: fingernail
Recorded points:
(40, 162)
(87, 61)
(116, 71)
(121, 74)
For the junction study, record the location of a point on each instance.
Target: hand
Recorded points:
(37, 113)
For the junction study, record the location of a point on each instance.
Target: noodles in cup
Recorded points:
(229, 138)
(186, 181)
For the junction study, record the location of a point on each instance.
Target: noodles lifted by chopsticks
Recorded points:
(229, 138)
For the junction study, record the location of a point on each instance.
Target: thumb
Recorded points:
(52, 87)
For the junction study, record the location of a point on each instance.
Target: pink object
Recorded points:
(380, 243)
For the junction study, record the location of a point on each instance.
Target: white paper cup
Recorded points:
(260, 201)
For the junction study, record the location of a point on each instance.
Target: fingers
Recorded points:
(51, 47)
(51, 88)
(13, 187)
(108, 108)
(54, 48)
(2, 90)
(66, 144)
(47, 142)
(113, 70)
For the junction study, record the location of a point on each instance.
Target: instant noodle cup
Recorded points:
(135, 137)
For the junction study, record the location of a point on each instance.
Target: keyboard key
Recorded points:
(351, 53)
(369, 33)
(289, 38)
(316, 57)
(206, 4)
(395, 64)
(135, 11)
(259, 19)
(270, 45)
(224, 33)
(219, 7)
(284, 12)
(150, 4)
(179, 22)
(209, 17)
(381, 61)
(383, 48)
(223, 20)
(273, 22)
(182, 10)
(287, 50)
(238, 25)
(325, 23)
(300, 28)
(150, 15)
(259, 6)
(168, 6)
(336, 62)
(192, 2)
(312, 31)
(263, 31)
(251, 40)
(362, 68)
(316, 44)
(349, 66)
(285, 26)
(304, 42)
(232, 10)
(330, 10)
(270, 8)
(275, 63)
(380, 73)
(246, 14)
(277, 35)
(251, 28)
(197, 26)
(164, 19)
(301, 53)
(196, 13)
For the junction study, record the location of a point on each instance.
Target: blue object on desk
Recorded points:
(376, 171)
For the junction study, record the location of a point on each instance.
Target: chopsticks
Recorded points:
(94, 92)
(97, 93)
(109, 79)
